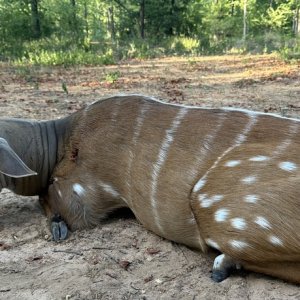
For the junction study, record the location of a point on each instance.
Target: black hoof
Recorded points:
(59, 229)
(218, 275)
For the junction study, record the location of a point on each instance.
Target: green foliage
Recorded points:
(291, 52)
(64, 87)
(184, 45)
(69, 32)
(69, 58)
(112, 77)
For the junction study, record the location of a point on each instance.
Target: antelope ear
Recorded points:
(11, 164)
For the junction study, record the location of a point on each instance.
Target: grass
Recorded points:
(55, 52)
(61, 58)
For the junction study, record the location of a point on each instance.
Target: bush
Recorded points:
(290, 54)
(68, 58)
(183, 46)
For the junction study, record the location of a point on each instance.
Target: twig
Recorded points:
(68, 251)
(182, 251)
(112, 258)
(167, 278)
(101, 248)
(111, 276)
(135, 288)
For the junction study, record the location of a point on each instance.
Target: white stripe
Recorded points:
(161, 158)
(136, 135)
(206, 145)
(108, 188)
(288, 141)
(241, 138)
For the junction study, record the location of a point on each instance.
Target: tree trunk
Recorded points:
(245, 21)
(232, 8)
(86, 19)
(296, 23)
(142, 18)
(111, 22)
(73, 21)
(171, 30)
(36, 24)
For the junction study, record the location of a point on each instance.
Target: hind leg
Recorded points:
(223, 266)
(289, 271)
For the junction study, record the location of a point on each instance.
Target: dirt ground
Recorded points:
(120, 259)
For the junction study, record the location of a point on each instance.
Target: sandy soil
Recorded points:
(120, 259)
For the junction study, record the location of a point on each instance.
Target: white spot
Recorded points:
(78, 189)
(221, 214)
(275, 240)
(207, 202)
(109, 189)
(288, 166)
(212, 244)
(259, 158)
(238, 244)
(263, 222)
(59, 193)
(249, 179)
(217, 198)
(199, 185)
(232, 163)
(218, 261)
(251, 198)
(238, 223)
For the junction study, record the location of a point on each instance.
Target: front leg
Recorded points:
(58, 226)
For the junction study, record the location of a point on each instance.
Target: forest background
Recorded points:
(68, 32)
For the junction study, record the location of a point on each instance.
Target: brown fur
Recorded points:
(130, 150)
